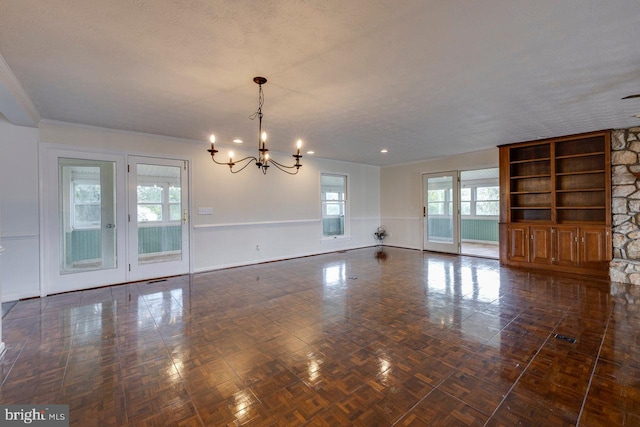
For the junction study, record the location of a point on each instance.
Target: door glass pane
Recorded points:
(87, 210)
(440, 209)
(159, 208)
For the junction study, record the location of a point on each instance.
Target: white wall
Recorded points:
(278, 212)
(19, 223)
(401, 199)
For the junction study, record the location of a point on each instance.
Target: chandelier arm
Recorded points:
(219, 163)
(242, 160)
(243, 167)
(235, 162)
(284, 168)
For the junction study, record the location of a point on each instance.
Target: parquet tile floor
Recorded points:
(353, 338)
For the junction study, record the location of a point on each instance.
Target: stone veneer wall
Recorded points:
(625, 206)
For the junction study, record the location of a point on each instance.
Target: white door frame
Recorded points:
(52, 280)
(454, 246)
(137, 271)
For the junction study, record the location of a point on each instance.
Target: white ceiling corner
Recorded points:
(15, 104)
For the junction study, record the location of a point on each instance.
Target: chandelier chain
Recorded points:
(258, 112)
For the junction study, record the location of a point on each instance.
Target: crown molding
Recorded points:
(61, 123)
(15, 104)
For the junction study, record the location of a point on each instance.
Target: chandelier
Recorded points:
(263, 161)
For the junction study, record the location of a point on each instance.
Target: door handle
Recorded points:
(184, 216)
(110, 226)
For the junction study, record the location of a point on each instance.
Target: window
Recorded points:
(175, 198)
(465, 201)
(334, 204)
(159, 202)
(149, 203)
(86, 204)
(488, 201)
(480, 200)
(440, 201)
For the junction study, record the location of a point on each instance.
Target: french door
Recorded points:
(84, 242)
(111, 219)
(441, 212)
(158, 218)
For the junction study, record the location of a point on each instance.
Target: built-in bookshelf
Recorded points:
(557, 187)
(530, 182)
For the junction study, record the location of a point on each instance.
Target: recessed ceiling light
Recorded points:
(237, 141)
(384, 150)
(311, 152)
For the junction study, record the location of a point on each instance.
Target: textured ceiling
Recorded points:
(422, 78)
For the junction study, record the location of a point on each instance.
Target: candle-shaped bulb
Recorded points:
(299, 144)
(263, 137)
(230, 156)
(212, 138)
(266, 157)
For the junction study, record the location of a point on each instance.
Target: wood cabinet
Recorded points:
(540, 245)
(565, 245)
(595, 247)
(555, 205)
(570, 249)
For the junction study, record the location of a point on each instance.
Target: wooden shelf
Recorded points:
(573, 156)
(546, 175)
(519, 193)
(578, 207)
(555, 191)
(578, 190)
(585, 172)
(517, 162)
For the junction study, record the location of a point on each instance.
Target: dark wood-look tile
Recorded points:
(441, 409)
(605, 403)
(95, 404)
(276, 345)
(534, 399)
(479, 394)
(521, 410)
(178, 414)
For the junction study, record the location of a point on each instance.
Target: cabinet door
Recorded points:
(594, 244)
(540, 249)
(565, 246)
(518, 240)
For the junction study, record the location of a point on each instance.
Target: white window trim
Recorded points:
(347, 209)
(474, 201)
